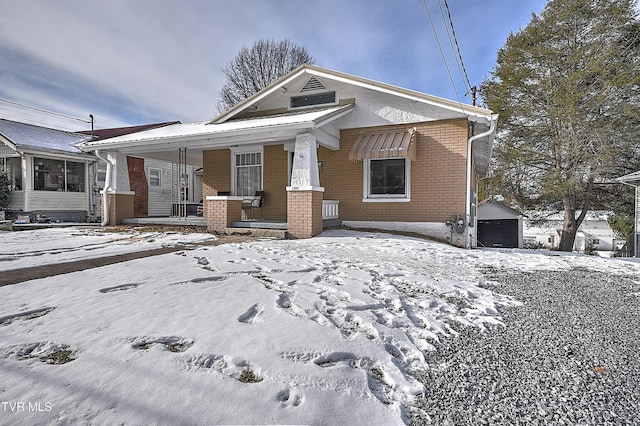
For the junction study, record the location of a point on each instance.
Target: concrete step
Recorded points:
(280, 234)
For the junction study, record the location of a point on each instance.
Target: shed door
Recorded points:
(498, 233)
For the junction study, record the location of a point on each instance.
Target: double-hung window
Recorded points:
(247, 173)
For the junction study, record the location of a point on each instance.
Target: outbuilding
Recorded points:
(499, 225)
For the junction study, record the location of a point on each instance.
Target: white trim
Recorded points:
(367, 197)
(223, 197)
(154, 169)
(386, 200)
(246, 150)
(305, 188)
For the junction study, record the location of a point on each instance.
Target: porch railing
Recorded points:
(330, 209)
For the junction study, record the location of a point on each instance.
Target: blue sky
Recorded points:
(131, 62)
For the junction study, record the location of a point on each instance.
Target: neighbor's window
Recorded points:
(58, 175)
(387, 178)
(13, 167)
(155, 177)
(248, 173)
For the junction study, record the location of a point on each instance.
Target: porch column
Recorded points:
(305, 195)
(121, 198)
(221, 211)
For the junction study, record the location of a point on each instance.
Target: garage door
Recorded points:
(498, 233)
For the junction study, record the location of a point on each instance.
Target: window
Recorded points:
(387, 179)
(314, 99)
(247, 173)
(58, 175)
(13, 167)
(155, 177)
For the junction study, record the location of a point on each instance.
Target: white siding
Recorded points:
(159, 196)
(51, 200)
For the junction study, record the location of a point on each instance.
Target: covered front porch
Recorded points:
(275, 156)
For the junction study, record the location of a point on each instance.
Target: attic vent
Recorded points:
(312, 85)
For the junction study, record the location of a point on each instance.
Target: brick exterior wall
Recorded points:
(220, 214)
(274, 174)
(304, 213)
(438, 176)
(216, 174)
(138, 183)
(120, 207)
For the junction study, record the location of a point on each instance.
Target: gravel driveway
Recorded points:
(569, 356)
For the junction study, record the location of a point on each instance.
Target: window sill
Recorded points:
(386, 200)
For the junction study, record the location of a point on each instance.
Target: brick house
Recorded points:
(318, 140)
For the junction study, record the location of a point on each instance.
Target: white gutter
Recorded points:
(107, 188)
(467, 213)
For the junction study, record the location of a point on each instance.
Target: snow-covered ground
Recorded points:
(321, 331)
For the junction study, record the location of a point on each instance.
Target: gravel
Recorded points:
(570, 355)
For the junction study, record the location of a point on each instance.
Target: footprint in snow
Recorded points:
(236, 368)
(379, 381)
(290, 398)
(170, 343)
(119, 288)
(252, 316)
(26, 315)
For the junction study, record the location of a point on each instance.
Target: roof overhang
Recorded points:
(251, 131)
(473, 113)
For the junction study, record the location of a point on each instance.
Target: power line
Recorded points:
(444, 59)
(45, 111)
(455, 39)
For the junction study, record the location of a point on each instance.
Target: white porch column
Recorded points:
(305, 163)
(304, 196)
(121, 198)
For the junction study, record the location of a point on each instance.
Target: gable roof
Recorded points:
(314, 75)
(23, 137)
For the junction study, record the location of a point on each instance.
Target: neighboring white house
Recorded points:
(593, 234)
(49, 176)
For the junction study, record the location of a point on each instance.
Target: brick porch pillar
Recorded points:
(121, 206)
(221, 211)
(304, 212)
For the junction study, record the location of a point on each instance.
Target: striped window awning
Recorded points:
(385, 144)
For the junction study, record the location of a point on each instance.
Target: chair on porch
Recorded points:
(252, 204)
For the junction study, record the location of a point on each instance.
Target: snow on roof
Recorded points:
(28, 136)
(205, 130)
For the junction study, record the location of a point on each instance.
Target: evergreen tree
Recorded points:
(5, 190)
(567, 90)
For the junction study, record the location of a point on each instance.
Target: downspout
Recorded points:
(107, 188)
(467, 213)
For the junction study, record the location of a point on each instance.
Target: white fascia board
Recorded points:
(473, 112)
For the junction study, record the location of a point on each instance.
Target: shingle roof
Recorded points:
(28, 136)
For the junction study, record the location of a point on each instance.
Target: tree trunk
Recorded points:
(571, 223)
(569, 230)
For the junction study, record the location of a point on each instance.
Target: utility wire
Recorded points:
(447, 23)
(455, 39)
(45, 111)
(444, 59)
